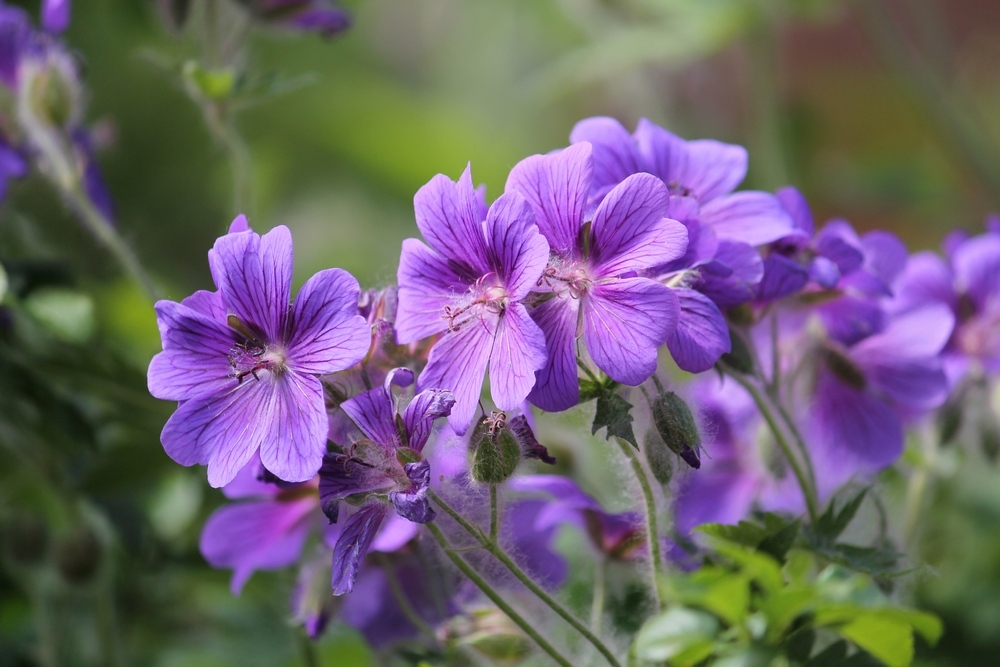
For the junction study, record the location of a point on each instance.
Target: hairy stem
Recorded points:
(652, 531)
(597, 605)
(495, 597)
(494, 513)
(497, 552)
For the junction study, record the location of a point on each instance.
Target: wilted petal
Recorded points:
(327, 333)
(754, 218)
(255, 278)
(624, 322)
(556, 386)
(448, 216)
(518, 351)
(427, 283)
(616, 157)
(557, 186)
(518, 252)
(374, 411)
(630, 232)
(355, 539)
(701, 335)
(413, 504)
(458, 362)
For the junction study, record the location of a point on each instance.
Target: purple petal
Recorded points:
(977, 268)
(249, 482)
(255, 278)
(556, 386)
(824, 272)
(782, 277)
(885, 255)
(849, 319)
(745, 270)
(616, 157)
(518, 252)
(419, 416)
(239, 224)
(630, 232)
(396, 532)
(458, 362)
(714, 496)
(327, 21)
(413, 504)
(194, 361)
(518, 351)
(341, 476)
(448, 216)
(208, 304)
(427, 283)
(327, 333)
(798, 209)
(701, 335)
(706, 168)
(533, 548)
(918, 334)
(926, 280)
(55, 15)
(624, 322)
(251, 536)
(355, 539)
(374, 411)
(834, 244)
(525, 436)
(294, 445)
(557, 187)
(754, 218)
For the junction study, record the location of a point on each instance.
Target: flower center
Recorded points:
(571, 281)
(486, 295)
(252, 358)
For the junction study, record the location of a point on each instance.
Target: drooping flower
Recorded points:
(593, 281)
(468, 286)
(384, 468)
(243, 361)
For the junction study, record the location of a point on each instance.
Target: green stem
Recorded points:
(652, 531)
(597, 605)
(104, 230)
(308, 649)
(767, 410)
(495, 597)
(497, 552)
(916, 488)
(494, 513)
(402, 599)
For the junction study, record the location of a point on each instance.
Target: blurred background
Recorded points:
(883, 113)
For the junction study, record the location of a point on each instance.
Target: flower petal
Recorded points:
(458, 362)
(355, 538)
(624, 322)
(701, 335)
(293, 447)
(556, 385)
(419, 416)
(518, 351)
(794, 202)
(616, 156)
(518, 251)
(413, 504)
(327, 334)
(427, 283)
(195, 357)
(744, 270)
(782, 277)
(448, 216)
(977, 268)
(926, 280)
(751, 217)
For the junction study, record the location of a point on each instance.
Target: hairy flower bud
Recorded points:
(495, 450)
(489, 633)
(660, 458)
(677, 428)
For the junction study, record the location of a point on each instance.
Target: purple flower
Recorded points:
(243, 361)
(592, 281)
(318, 16)
(12, 165)
(705, 170)
(55, 15)
(468, 285)
(383, 468)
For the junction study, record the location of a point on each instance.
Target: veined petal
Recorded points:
(293, 447)
(327, 334)
(751, 217)
(616, 156)
(458, 362)
(413, 504)
(630, 232)
(556, 385)
(624, 322)
(342, 475)
(419, 416)
(518, 351)
(518, 251)
(448, 216)
(374, 411)
(427, 283)
(195, 357)
(355, 539)
(557, 186)
(701, 335)
(255, 279)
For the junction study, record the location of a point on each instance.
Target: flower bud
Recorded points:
(489, 633)
(495, 450)
(660, 459)
(677, 428)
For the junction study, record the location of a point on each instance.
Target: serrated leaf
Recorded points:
(870, 560)
(675, 632)
(779, 540)
(888, 639)
(591, 389)
(832, 523)
(726, 594)
(744, 533)
(613, 413)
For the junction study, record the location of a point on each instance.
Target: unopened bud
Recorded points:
(660, 459)
(495, 450)
(677, 428)
(490, 633)
(78, 555)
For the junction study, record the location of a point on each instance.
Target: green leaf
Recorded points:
(676, 632)
(726, 594)
(870, 560)
(212, 84)
(779, 538)
(613, 413)
(832, 523)
(754, 564)
(784, 606)
(744, 533)
(590, 389)
(832, 656)
(888, 639)
(66, 314)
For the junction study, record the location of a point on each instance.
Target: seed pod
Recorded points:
(496, 451)
(677, 428)
(659, 457)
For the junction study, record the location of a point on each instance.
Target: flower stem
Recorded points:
(401, 598)
(597, 605)
(104, 230)
(309, 657)
(771, 417)
(494, 518)
(491, 593)
(497, 552)
(652, 532)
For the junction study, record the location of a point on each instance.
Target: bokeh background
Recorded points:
(883, 113)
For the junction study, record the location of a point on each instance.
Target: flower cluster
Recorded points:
(568, 287)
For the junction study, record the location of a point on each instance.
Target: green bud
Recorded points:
(677, 428)
(54, 92)
(209, 84)
(78, 555)
(659, 457)
(490, 633)
(495, 450)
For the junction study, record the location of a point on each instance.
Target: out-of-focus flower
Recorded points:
(319, 16)
(469, 285)
(55, 15)
(384, 468)
(593, 275)
(244, 363)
